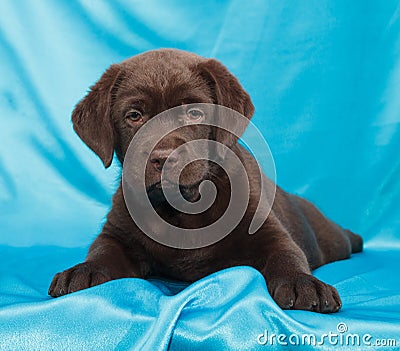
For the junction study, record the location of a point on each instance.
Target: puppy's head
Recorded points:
(130, 93)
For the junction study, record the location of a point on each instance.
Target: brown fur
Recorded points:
(295, 239)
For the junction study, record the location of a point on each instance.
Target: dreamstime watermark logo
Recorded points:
(340, 337)
(219, 127)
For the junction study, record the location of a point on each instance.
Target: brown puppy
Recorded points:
(295, 238)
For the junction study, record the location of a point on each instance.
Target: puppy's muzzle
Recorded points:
(161, 158)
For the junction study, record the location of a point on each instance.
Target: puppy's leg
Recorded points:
(335, 243)
(355, 240)
(107, 260)
(289, 278)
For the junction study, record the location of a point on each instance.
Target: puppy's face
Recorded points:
(130, 94)
(144, 92)
(173, 160)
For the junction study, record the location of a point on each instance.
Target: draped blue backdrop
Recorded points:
(324, 76)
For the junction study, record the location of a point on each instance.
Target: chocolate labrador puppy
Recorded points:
(294, 239)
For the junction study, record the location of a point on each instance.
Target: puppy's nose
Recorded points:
(158, 159)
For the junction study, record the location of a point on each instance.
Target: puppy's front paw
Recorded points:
(81, 276)
(304, 292)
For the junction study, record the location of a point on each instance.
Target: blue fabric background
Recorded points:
(324, 76)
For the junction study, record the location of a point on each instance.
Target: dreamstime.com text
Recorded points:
(340, 337)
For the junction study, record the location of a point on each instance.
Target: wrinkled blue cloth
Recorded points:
(324, 78)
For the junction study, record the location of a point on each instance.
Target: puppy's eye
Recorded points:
(134, 116)
(195, 114)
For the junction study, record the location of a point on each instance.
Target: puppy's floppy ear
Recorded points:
(91, 117)
(227, 92)
(226, 87)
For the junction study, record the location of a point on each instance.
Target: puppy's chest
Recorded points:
(190, 265)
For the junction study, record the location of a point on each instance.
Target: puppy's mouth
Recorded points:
(190, 192)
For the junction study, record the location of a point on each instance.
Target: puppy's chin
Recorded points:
(188, 192)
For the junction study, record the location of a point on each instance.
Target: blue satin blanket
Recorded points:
(324, 76)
